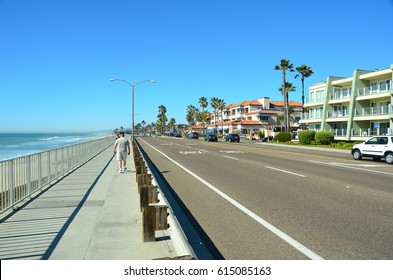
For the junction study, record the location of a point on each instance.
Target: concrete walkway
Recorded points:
(93, 214)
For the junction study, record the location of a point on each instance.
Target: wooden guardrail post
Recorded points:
(147, 195)
(153, 218)
(161, 217)
(149, 224)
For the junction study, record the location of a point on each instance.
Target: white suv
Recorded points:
(376, 147)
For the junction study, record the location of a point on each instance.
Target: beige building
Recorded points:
(352, 108)
(250, 117)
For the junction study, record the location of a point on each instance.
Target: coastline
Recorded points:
(14, 145)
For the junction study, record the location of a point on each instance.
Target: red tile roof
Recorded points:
(281, 103)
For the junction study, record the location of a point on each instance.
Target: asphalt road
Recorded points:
(266, 201)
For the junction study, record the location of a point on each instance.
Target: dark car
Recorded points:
(211, 138)
(232, 137)
(193, 135)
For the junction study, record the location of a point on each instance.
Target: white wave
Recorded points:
(49, 138)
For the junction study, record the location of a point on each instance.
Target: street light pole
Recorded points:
(132, 97)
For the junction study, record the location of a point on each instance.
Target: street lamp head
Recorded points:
(112, 80)
(153, 81)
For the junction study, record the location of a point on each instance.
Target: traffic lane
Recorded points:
(283, 203)
(348, 172)
(233, 233)
(360, 200)
(273, 155)
(323, 214)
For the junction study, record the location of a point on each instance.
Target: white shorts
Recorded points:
(121, 155)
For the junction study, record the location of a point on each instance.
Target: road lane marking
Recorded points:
(231, 157)
(297, 245)
(192, 152)
(285, 171)
(350, 167)
(232, 152)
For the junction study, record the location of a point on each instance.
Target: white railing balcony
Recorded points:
(337, 114)
(342, 132)
(311, 116)
(367, 132)
(339, 95)
(376, 89)
(309, 100)
(373, 111)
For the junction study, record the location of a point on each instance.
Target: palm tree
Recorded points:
(171, 124)
(162, 118)
(288, 88)
(203, 103)
(191, 114)
(284, 66)
(221, 107)
(304, 72)
(215, 103)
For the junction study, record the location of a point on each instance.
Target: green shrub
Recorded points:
(305, 137)
(324, 137)
(282, 137)
(342, 145)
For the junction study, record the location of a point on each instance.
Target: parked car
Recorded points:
(211, 138)
(232, 137)
(193, 135)
(377, 147)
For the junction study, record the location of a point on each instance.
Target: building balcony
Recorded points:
(342, 132)
(308, 118)
(342, 96)
(368, 132)
(374, 111)
(377, 89)
(311, 102)
(337, 114)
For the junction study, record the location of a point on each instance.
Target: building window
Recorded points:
(374, 87)
(385, 86)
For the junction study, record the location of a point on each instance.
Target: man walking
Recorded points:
(122, 149)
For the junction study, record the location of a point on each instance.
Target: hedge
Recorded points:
(324, 137)
(282, 137)
(306, 136)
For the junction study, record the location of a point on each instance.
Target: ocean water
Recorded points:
(14, 145)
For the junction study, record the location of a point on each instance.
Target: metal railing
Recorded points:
(337, 114)
(341, 132)
(374, 111)
(376, 89)
(21, 177)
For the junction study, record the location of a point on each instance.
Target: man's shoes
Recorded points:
(120, 170)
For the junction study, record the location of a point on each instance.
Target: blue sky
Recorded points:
(56, 57)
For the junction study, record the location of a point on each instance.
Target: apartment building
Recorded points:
(352, 108)
(251, 117)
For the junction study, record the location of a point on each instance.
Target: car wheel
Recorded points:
(357, 155)
(389, 158)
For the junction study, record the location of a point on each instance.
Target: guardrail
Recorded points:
(157, 213)
(22, 177)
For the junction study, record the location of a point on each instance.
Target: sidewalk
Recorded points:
(91, 214)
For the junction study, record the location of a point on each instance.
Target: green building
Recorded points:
(352, 108)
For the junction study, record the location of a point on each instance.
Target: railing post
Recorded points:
(39, 171)
(28, 175)
(48, 167)
(56, 163)
(11, 184)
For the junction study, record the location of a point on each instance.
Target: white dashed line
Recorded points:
(285, 171)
